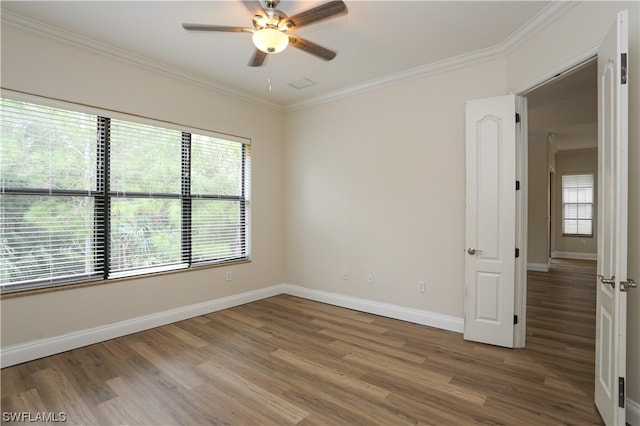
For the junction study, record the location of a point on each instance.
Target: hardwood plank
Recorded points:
(170, 402)
(321, 373)
(392, 351)
(381, 362)
(286, 360)
(27, 401)
(184, 336)
(255, 367)
(58, 395)
(319, 310)
(181, 374)
(127, 408)
(346, 334)
(264, 401)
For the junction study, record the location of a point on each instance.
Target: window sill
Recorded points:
(73, 286)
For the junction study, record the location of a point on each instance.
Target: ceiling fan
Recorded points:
(271, 28)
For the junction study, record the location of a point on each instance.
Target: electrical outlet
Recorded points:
(421, 286)
(345, 275)
(370, 278)
(229, 276)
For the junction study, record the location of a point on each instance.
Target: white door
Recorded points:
(611, 300)
(490, 232)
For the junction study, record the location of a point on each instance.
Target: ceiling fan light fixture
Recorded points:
(270, 40)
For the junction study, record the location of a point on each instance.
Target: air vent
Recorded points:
(302, 83)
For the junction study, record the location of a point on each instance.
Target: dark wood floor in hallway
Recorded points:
(561, 315)
(286, 360)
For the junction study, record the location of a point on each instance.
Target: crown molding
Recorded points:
(87, 44)
(579, 58)
(415, 73)
(536, 24)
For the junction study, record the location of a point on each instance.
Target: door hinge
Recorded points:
(623, 68)
(518, 115)
(517, 185)
(515, 319)
(621, 392)
(517, 252)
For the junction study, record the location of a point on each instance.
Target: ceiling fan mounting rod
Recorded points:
(273, 16)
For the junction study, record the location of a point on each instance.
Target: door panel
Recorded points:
(488, 291)
(612, 223)
(490, 220)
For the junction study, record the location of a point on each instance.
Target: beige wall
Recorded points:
(569, 123)
(59, 70)
(376, 184)
(371, 183)
(575, 162)
(579, 30)
(568, 114)
(538, 213)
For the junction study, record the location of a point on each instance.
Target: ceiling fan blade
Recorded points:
(312, 48)
(257, 59)
(224, 28)
(317, 14)
(254, 7)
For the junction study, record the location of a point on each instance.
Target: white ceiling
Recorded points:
(575, 82)
(377, 41)
(575, 129)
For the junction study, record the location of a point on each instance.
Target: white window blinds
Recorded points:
(145, 182)
(85, 196)
(219, 176)
(577, 204)
(49, 216)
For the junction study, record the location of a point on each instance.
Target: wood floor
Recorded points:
(286, 360)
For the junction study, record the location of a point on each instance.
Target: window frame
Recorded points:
(591, 204)
(103, 198)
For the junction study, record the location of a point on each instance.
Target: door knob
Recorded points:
(611, 281)
(473, 251)
(628, 284)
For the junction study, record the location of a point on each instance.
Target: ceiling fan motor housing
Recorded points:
(273, 18)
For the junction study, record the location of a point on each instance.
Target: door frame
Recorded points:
(522, 217)
(551, 209)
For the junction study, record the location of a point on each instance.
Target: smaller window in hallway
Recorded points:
(577, 205)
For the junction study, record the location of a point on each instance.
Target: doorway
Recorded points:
(562, 120)
(561, 313)
(550, 210)
(563, 139)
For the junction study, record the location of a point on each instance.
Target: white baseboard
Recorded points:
(633, 412)
(539, 267)
(35, 349)
(574, 255)
(418, 316)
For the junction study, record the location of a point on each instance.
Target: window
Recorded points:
(577, 205)
(85, 197)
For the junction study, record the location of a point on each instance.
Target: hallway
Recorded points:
(561, 321)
